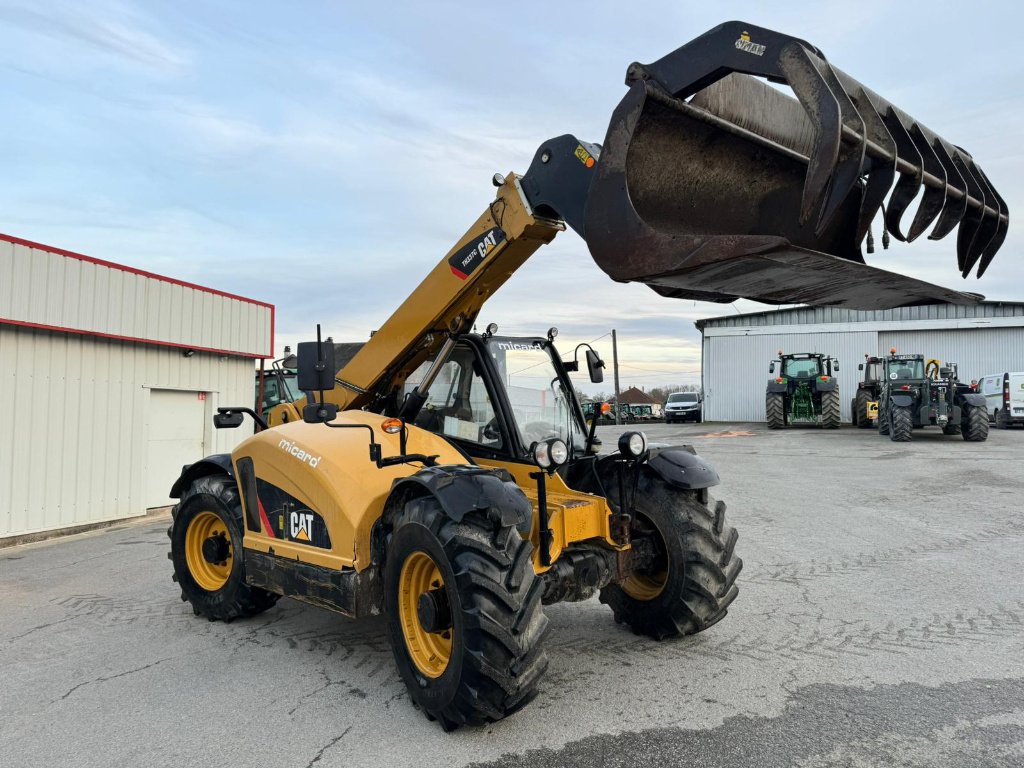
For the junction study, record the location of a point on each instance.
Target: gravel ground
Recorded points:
(880, 622)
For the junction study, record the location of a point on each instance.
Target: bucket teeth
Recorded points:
(703, 162)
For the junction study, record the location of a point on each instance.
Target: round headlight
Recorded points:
(633, 444)
(542, 454)
(559, 452)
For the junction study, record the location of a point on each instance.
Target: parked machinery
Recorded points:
(804, 392)
(915, 394)
(864, 405)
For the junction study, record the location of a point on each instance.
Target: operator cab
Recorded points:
(495, 396)
(904, 368)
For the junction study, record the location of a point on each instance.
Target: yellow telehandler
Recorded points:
(449, 480)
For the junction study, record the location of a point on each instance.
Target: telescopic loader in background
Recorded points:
(448, 480)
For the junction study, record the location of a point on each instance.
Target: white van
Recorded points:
(1004, 396)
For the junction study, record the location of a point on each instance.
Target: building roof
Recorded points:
(634, 396)
(925, 315)
(59, 290)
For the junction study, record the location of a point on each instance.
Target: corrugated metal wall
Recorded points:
(74, 431)
(815, 315)
(57, 289)
(978, 352)
(736, 369)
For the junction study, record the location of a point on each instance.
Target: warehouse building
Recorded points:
(736, 349)
(111, 377)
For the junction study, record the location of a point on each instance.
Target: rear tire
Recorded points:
(951, 429)
(902, 427)
(860, 408)
(975, 424)
(485, 574)
(774, 410)
(692, 586)
(883, 419)
(831, 411)
(211, 509)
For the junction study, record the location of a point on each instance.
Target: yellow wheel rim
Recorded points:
(210, 576)
(647, 586)
(644, 586)
(430, 651)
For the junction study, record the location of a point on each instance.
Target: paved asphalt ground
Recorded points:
(880, 622)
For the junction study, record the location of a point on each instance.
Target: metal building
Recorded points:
(736, 349)
(110, 377)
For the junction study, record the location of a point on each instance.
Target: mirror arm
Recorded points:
(255, 416)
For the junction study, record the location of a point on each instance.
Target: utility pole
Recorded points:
(615, 368)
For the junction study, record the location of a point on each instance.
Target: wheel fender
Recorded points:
(217, 464)
(973, 398)
(681, 467)
(775, 388)
(903, 401)
(826, 386)
(463, 488)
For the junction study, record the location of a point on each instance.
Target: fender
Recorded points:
(464, 488)
(973, 398)
(217, 464)
(901, 400)
(681, 467)
(826, 386)
(774, 386)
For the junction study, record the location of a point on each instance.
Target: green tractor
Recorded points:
(805, 391)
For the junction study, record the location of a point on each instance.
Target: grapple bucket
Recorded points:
(714, 185)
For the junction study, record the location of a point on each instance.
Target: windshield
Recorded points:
(905, 369)
(801, 368)
(541, 408)
(683, 397)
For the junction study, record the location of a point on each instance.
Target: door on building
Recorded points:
(177, 425)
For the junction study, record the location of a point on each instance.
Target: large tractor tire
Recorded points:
(464, 614)
(902, 428)
(975, 424)
(831, 410)
(206, 550)
(775, 410)
(693, 579)
(860, 410)
(883, 419)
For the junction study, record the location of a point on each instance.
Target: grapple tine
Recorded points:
(910, 180)
(850, 163)
(977, 229)
(1002, 221)
(932, 198)
(953, 211)
(881, 171)
(823, 108)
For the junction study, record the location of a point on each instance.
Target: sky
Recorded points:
(324, 156)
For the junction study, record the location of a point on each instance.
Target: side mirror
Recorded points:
(595, 366)
(835, 365)
(316, 366)
(771, 368)
(228, 420)
(860, 367)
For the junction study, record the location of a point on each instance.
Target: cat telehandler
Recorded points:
(448, 479)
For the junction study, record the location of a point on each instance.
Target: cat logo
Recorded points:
(301, 526)
(744, 43)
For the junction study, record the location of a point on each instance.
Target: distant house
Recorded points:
(634, 396)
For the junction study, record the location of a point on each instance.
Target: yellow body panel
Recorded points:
(872, 411)
(572, 515)
(336, 479)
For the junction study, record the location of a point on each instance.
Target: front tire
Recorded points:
(206, 550)
(474, 582)
(775, 410)
(831, 412)
(883, 420)
(902, 427)
(693, 580)
(860, 410)
(975, 424)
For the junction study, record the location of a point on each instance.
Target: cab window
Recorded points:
(458, 404)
